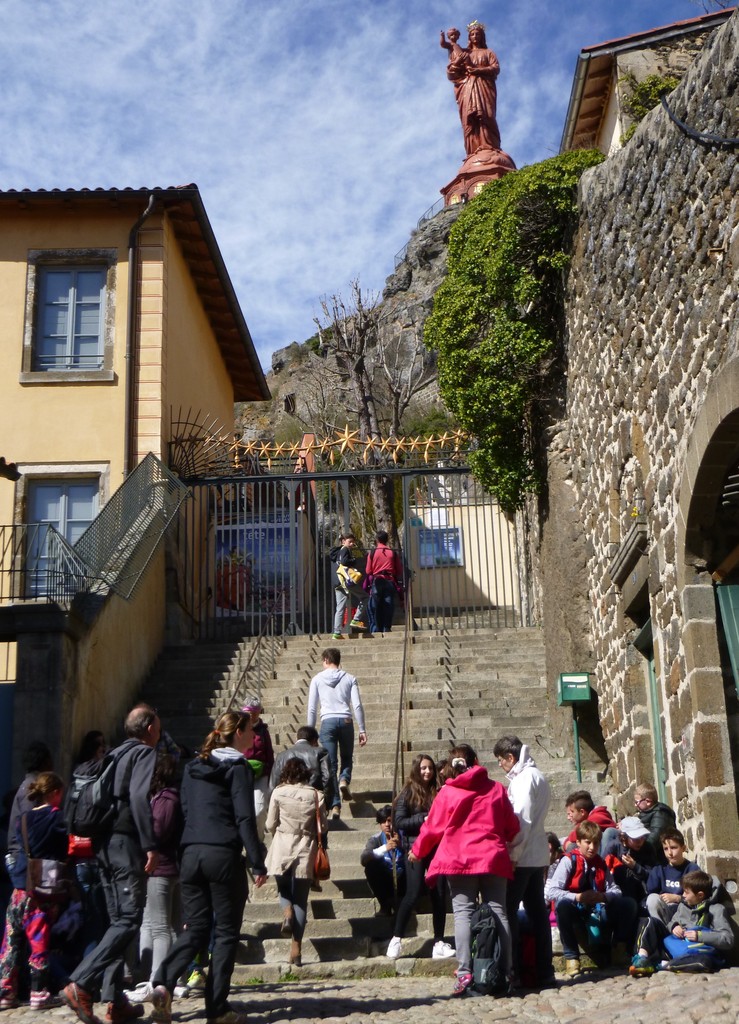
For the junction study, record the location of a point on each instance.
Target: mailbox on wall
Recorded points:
(573, 688)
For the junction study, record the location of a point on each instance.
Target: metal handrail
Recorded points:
(269, 621)
(400, 740)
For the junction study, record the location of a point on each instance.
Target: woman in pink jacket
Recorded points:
(470, 824)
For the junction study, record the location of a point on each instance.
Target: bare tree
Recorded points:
(350, 332)
(409, 367)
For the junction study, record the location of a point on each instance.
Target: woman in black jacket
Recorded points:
(218, 802)
(411, 808)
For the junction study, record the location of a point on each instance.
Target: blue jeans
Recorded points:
(337, 736)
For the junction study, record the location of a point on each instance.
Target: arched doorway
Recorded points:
(708, 557)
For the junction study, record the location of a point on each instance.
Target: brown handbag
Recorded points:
(321, 865)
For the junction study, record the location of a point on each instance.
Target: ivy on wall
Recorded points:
(498, 316)
(644, 96)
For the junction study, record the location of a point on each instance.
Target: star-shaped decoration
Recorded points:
(347, 439)
(369, 449)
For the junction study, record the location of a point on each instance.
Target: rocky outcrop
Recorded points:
(298, 369)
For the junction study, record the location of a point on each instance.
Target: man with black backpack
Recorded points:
(127, 854)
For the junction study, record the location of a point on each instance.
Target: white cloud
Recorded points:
(318, 131)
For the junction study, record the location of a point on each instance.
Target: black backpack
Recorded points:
(334, 553)
(90, 806)
(489, 976)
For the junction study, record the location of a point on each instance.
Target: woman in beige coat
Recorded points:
(291, 820)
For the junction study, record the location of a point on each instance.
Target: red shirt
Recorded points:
(385, 563)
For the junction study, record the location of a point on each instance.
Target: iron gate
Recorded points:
(256, 545)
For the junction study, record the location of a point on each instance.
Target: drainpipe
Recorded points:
(131, 340)
(583, 61)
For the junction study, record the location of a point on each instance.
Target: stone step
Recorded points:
(361, 967)
(328, 951)
(468, 685)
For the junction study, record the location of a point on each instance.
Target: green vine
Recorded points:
(497, 317)
(643, 97)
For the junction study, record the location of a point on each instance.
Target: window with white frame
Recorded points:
(69, 316)
(69, 505)
(69, 322)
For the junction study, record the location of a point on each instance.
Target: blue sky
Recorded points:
(318, 131)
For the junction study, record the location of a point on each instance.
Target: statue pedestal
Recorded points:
(483, 166)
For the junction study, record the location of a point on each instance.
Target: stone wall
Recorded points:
(652, 330)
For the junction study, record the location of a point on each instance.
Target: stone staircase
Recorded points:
(468, 686)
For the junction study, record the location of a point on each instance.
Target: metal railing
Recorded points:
(428, 215)
(243, 541)
(38, 564)
(401, 732)
(262, 659)
(120, 542)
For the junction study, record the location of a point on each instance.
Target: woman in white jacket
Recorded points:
(528, 792)
(291, 820)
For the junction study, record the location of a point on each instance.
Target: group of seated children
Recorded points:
(618, 899)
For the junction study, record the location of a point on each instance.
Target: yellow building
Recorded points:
(117, 316)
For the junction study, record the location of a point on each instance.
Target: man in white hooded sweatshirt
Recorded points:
(528, 792)
(337, 692)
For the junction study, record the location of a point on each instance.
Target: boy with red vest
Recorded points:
(585, 893)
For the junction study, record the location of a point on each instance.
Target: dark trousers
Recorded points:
(528, 887)
(415, 887)
(380, 879)
(621, 913)
(214, 889)
(124, 884)
(382, 603)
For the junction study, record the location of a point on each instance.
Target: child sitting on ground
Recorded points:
(698, 934)
(665, 882)
(585, 893)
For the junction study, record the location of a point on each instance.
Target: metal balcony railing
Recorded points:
(38, 564)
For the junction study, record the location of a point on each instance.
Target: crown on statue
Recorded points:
(475, 24)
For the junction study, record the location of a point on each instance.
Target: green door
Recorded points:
(645, 647)
(728, 602)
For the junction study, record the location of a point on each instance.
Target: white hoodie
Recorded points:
(338, 693)
(529, 793)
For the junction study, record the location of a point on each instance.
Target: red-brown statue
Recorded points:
(473, 71)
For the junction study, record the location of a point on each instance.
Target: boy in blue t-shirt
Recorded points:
(665, 881)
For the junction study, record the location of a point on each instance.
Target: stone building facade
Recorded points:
(639, 465)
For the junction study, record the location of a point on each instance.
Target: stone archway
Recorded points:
(713, 722)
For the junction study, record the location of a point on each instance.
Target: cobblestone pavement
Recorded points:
(681, 999)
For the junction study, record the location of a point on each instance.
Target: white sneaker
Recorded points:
(441, 951)
(393, 950)
(181, 992)
(140, 994)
